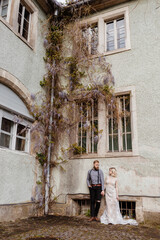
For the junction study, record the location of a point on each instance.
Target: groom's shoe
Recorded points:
(91, 219)
(97, 219)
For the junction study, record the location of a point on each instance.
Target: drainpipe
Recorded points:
(47, 182)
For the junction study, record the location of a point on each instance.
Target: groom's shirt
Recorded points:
(95, 177)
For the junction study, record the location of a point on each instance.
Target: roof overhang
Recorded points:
(97, 5)
(49, 5)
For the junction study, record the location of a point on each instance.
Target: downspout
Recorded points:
(47, 169)
(47, 183)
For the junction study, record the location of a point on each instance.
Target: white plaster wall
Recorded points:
(139, 67)
(19, 173)
(19, 59)
(137, 178)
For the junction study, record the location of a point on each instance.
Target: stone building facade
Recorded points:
(128, 38)
(21, 69)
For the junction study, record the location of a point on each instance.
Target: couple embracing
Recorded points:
(97, 185)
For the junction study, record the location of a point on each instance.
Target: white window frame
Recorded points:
(12, 20)
(8, 10)
(134, 136)
(115, 34)
(89, 35)
(89, 132)
(103, 141)
(10, 116)
(101, 19)
(24, 7)
(119, 130)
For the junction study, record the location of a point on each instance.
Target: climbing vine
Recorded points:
(73, 76)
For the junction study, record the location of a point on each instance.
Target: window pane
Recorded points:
(110, 125)
(26, 15)
(120, 33)
(6, 125)
(20, 144)
(124, 143)
(5, 2)
(115, 126)
(95, 108)
(128, 124)
(127, 103)
(129, 142)
(4, 11)
(115, 142)
(21, 130)
(25, 34)
(110, 143)
(94, 39)
(88, 129)
(85, 36)
(84, 143)
(110, 36)
(20, 8)
(4, 140)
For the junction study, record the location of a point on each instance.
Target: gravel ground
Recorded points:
(73, 228)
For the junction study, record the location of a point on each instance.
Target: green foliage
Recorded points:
(39, 183)
(43, 83)
(88, 213)
(41, 158)
(77, 149)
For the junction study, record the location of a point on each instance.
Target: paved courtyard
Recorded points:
(73, 228)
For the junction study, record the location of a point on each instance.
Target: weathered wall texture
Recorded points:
(138, 175)
(20, 171)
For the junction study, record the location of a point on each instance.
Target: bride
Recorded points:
(112, 212)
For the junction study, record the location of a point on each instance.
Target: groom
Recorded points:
(95, 182)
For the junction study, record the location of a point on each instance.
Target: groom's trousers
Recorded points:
(95, 200)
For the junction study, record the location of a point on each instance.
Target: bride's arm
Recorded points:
(117, 190)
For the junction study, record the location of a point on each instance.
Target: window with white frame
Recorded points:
(14, 134)
(112, 33)
(24, 18)
(115, 34)
(15, 121)
(88, 126)
(90, 36)
(4, 8)
(119, 128)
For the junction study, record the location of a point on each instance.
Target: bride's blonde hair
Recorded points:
(114, 171)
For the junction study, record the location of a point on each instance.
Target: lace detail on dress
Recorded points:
(112, 212)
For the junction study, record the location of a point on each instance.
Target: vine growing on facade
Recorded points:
(74, 76)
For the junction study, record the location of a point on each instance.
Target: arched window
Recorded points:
(15, 121)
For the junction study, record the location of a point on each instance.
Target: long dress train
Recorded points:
(112, 212)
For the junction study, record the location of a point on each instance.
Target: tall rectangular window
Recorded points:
(119, 128)
(24, 17)
(88, 126)
(4, 8)
(90, 35)
(115, 34)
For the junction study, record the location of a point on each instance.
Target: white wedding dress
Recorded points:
(112, 213)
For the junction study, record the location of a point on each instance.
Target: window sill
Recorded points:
(110, 52)
(107, 155)
(116, 51)
(17, 34)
